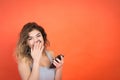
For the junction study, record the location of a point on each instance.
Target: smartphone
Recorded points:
(59, 57)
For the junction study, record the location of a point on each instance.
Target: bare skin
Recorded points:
(36, 43)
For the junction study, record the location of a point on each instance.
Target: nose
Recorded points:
(36, 39)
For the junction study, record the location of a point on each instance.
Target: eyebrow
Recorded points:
(36, 34)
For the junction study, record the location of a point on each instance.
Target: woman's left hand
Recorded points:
(58, 63)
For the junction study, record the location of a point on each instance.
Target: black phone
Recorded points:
(59, 57)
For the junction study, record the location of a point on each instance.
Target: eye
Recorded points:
(38, 35)
(29, 38)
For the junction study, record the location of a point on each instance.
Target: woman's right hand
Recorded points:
(36, 51)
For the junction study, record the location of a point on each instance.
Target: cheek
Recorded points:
(30, 43)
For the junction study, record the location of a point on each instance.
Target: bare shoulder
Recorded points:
(23, 61)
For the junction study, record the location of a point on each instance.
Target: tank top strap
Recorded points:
(49, 56)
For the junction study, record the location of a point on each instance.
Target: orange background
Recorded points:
(86, 31)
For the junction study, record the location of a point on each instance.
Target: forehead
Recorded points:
(34, 32)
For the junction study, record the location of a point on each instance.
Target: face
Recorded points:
(34, 36)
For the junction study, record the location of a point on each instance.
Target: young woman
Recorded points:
(34, 59)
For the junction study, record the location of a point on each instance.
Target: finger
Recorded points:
(62, 58)
(34, 47)
(37, 45)
(55, 63)
(40, 45)
(42, 48)
(31, 49)
(58, 60)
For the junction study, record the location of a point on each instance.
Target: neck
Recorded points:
(44, 53)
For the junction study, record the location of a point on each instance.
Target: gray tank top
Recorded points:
(47, 73)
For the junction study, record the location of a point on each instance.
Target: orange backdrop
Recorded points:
(86, 31)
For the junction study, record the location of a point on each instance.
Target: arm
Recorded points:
(58, 75)
(59, 66)
(26, 73)
(24, 68)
